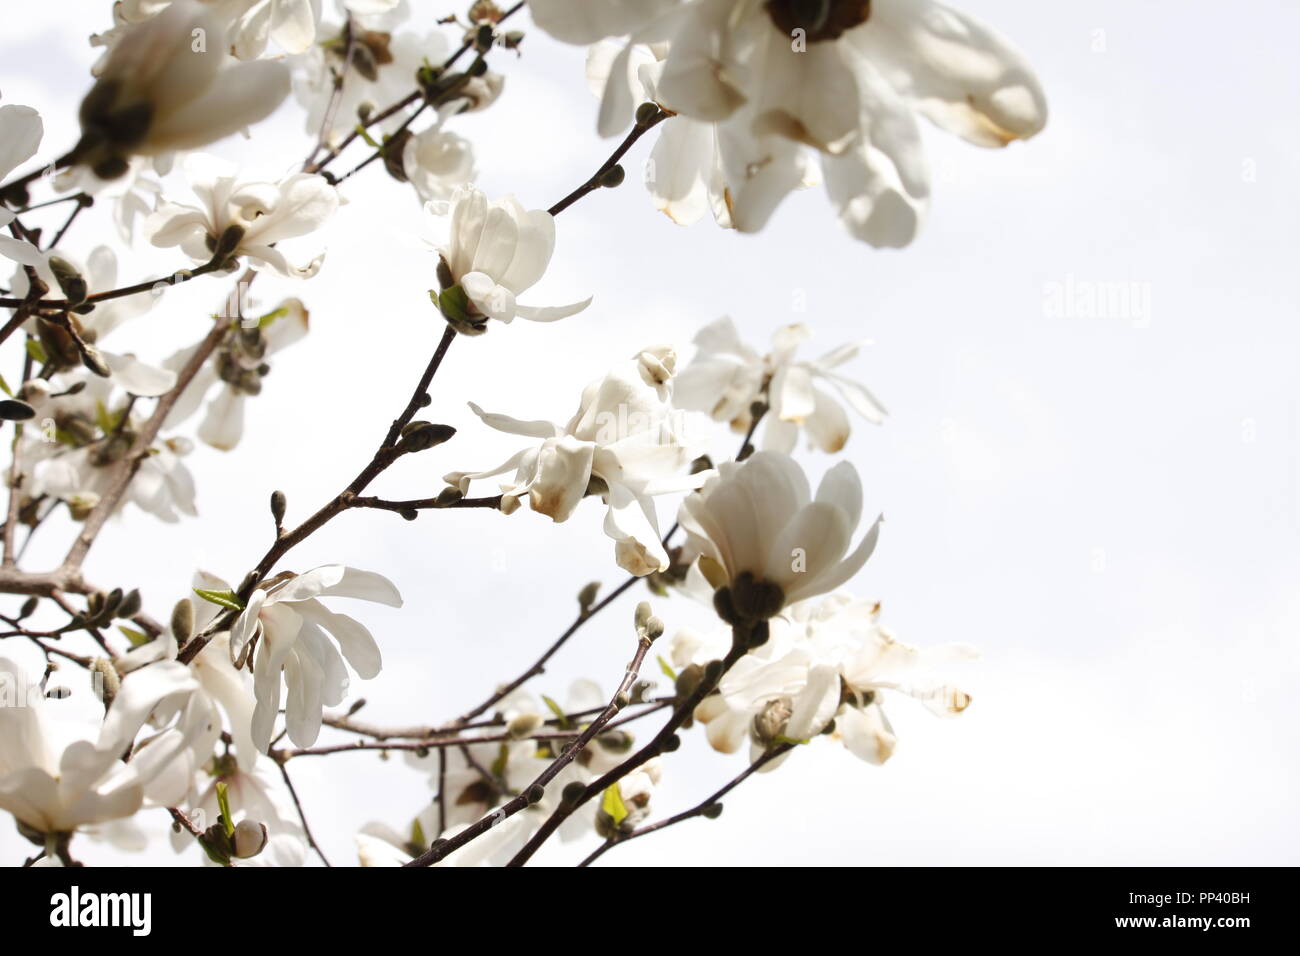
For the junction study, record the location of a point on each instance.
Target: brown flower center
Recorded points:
(819, 19)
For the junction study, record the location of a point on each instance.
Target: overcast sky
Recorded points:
(1106, 505)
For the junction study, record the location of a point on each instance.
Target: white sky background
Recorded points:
(1107, 507)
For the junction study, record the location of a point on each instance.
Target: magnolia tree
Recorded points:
(201, 710)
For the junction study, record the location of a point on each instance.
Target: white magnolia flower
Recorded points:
(244, 219)
(493, 252)
(630, 810)
(870, 661)
(21, 130)
(726, 377)
(843, 77)
(827, 659)
(768, 700)
(168, 84)
(763, 539)
(624, 444)
(236, 370)
(221, 689)
(79, 436)
(289, 626)
(384, 64)
(257, 795)
(59, 773)
(250, 24)
(437, 162)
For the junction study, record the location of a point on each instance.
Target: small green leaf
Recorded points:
(560, 716)
(667, 669)
(612, 803)
(137, 638)
(270, 317)
(223, 804)
(215, 853)
(370, 140)
(417, 834)
(5, 385)
(105, 419)
(498, 767)
(226, 599)
(36, 351)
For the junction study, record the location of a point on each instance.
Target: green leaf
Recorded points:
(667, 669)
(215, 853)
(105, 419)
(270, 317)
(612, 803)
(37, 352)
(560, 716)
(226, 599)
(370, 140)
(223, 804)
(136, 638)
(498, 767)
(417, 834)
(5, 385)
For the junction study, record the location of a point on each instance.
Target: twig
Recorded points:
(707, 685)
(700, 809)
(306, 828)
(539, 666)
(595, 182)
(537, 789)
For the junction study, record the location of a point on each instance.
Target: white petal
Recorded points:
(137, 377)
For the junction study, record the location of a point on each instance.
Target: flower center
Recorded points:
(818, 19)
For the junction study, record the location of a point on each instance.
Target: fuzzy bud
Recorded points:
(250, 838)
(13, 410)
(183, 620)
(278, 503)
(421, 436)
(524, 725)
(587, 596)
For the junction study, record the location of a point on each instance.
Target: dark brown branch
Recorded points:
(597, 178)
(537, 789)
(656, 745)
(702, 808)
(306, 828)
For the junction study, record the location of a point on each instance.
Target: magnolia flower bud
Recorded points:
(278, 503)
(183, 620)
(613, 177)
(421, 436)
(769, 723)
(12, 410)
(70, 280)
(81, 505)
(249, 839)
(647, 113)
(131, 604)
(105, 680)
(587, 596)
(91, 358)
(524, 725)
(448, 496)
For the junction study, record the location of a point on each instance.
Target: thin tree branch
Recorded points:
(700, 809)
(537, 789)
(306, 828)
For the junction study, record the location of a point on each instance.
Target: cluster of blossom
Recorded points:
(746, 95)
